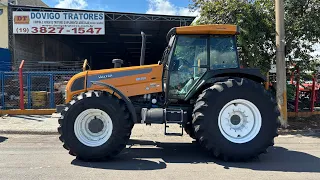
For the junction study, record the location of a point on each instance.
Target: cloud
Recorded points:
(72, 4)
(187, 12)
(316, 47)
(161, 7)
(165, 7)
(98, 5)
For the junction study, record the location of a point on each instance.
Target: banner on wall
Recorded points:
(69, 23)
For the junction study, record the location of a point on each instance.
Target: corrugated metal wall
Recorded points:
(43, 51)
(28, 48)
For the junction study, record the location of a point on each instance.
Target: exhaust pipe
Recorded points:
(117, 63)
(143, 48)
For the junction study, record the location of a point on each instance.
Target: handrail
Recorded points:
(296, 107)
(84, 66)
(313, 93)
(21, 85)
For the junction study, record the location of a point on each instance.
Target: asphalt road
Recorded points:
(155, 156)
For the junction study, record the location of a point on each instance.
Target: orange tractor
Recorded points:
(198, 84)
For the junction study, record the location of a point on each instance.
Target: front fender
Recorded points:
(123, 97)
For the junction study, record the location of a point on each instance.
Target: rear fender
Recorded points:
(253, 74)
(210, 77)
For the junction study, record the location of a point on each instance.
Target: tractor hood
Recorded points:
(131, 81)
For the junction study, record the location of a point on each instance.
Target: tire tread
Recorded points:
(200, 126)
(122, 139)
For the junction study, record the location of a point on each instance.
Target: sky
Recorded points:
(317, 48)
(168, 7)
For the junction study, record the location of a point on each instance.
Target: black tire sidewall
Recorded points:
(190, 131)
(247, 91)
(106, 104)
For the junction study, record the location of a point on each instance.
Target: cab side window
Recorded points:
(223, 52)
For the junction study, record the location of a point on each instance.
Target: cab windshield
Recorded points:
(193, 55)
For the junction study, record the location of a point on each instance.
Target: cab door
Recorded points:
(188, 62)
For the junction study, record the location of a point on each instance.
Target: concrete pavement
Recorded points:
(47, 125)
(22, 124)
(151, 155)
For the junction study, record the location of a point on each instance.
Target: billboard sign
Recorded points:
(70, 23)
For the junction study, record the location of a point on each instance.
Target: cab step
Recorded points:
(172, 134)
(173, 116)
(165, 116)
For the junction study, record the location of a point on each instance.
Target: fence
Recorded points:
(41, 90)
(49, 66)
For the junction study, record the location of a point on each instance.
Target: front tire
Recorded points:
(236, 120)
(95, 126)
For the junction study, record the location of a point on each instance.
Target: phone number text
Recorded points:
(58, 30)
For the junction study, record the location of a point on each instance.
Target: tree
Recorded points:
(256, 19)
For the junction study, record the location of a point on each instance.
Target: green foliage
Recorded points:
(291, 91)
(256, 19)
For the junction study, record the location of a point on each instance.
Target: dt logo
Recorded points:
(21, 19)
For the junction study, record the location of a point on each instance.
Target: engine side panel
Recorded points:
(131, 81)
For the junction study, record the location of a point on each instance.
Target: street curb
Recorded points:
(33, 132)
(29, 132)
(28, 112)
(303, 132)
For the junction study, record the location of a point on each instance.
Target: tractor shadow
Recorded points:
(279, 159)
(135, 157)
(122, 163)
(38, 118)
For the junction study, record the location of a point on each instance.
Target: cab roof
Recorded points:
(208, 29)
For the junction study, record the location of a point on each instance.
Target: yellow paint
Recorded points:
(4, 33)
(285, 114)
(28, 112)
(267, 83)
(303, 114)
(283, 111)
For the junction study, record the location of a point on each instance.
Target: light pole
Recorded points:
(281, 63)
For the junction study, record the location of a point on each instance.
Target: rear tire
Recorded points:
(95, 126)
(236, 120)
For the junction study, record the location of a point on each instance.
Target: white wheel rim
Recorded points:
(87, 136)
(239, 121)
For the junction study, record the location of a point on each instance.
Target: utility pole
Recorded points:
(281, 63)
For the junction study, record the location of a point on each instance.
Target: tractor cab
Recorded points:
(189, 56)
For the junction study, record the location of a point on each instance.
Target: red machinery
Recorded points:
(307, 93)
